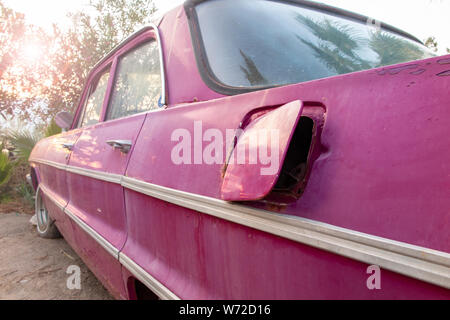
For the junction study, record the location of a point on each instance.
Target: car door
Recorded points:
(126, 87)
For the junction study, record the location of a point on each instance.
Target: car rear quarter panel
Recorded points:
(384, 171)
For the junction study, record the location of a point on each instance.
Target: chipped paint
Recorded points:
(397, 70)
(444, 61)
(400, 69)
(418, 72)
(444, 74)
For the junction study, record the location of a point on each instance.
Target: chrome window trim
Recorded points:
(107, 69)
(149, 26)
(164, 93)
(162, 66)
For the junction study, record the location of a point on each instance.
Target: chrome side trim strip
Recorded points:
(98, 175)
(154, 285)
(157, 287)
(413, 261)
(97, 237)
(50, 163)
(50, 196)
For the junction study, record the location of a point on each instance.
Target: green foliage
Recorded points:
(23, 142)
(391, 49)
(12, 29)
(52, 129)
(339, 46)
(22, 78)
(432, 44)
(90, 37)
(335, 35)
(25, 191)
(43, 88)
(6, 168)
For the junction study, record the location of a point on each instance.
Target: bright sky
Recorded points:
(422, 18)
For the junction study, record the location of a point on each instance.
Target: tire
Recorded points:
(46, 227)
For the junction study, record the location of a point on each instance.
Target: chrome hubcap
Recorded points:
(41, 213)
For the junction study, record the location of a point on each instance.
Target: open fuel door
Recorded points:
(255, 163)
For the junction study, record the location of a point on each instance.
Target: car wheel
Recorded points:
(45, 224)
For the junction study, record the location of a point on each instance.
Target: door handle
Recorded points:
(68, 146)
(123, 145)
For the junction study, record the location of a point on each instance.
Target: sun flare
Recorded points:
(32, 52)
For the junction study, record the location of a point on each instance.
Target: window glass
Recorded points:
(137, 87)
(94, 103)
(263, 43)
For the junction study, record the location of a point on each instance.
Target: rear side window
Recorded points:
(271, 43)
(137, 87)
(94, 103)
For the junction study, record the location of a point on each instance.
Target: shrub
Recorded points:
(23, 142)
(25, 191)
(6, 167)
(52, 129)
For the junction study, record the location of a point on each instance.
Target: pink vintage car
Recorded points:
(257, 150)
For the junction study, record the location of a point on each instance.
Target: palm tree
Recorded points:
(338, 44)
(23, 143)
(391, 49)
(252, 73)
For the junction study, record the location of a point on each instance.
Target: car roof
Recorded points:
(332, 10)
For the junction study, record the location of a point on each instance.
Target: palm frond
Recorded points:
(23, 143)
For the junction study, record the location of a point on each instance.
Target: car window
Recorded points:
(271, 43)
(94, 103)
(137, 87)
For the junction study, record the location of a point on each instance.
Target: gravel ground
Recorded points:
(32, 268)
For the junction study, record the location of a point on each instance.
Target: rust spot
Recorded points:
(444, 74)
(274, 207)
(400, 69)
(444, 61)
(417, 72)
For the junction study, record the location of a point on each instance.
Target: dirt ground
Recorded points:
(32, 268)
(15, 205)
